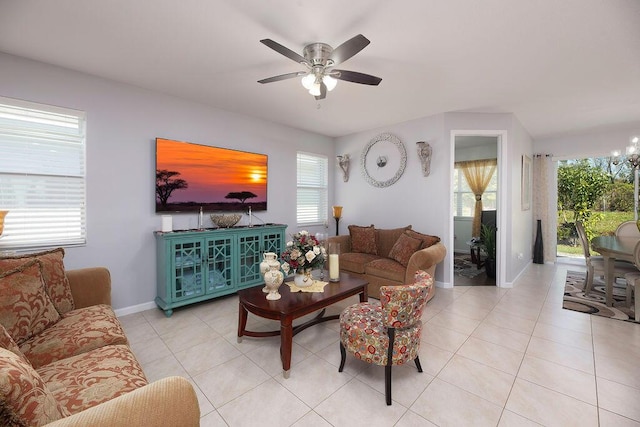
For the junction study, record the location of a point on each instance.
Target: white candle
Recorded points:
(334, 267)
(167, 223)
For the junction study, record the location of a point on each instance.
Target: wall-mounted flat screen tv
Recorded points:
(190, 176)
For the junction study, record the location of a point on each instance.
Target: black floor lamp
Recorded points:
(337, 213)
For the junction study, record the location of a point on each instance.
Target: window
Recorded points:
(42, 175)
(464, 201)
(312, 189)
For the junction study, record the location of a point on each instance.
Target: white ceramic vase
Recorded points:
(268, 259)
(273, 279)
(304, 279)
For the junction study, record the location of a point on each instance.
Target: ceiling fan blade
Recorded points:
(284, 51)
(282, 77)
(349, 48)
(355, 77)
(323, 92)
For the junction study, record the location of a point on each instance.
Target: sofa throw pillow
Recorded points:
(387, 237)
(24, 394)
(363, 239)
(403, 249)
(55, 279)
(8, 343)
(425, 238)
(25, 307)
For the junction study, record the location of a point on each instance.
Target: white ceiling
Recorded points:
(559, 65)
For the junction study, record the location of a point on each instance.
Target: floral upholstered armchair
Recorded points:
(388, 332)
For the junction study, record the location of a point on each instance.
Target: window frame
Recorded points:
(42, 175)
(315, 214)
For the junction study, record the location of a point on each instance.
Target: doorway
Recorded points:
(481, 150)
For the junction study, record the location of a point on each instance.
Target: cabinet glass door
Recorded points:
(250, 249)
(272, 242)
(219, 264)
(187, 269)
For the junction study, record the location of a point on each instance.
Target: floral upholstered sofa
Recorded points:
(388, 257)
(65, 359)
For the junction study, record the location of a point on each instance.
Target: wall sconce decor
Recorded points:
(424, 153)
(337, 214)
(343, 162)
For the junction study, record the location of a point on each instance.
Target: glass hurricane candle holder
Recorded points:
(334, 262)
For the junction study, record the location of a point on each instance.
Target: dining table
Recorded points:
(613, 248)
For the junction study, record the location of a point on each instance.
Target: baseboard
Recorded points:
(443, 285)
(135, 308)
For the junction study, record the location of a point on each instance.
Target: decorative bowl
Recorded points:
(225, 220)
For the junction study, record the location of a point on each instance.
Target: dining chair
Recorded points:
(628, 229)
(633, 282)
(595, 264)
(386, 333)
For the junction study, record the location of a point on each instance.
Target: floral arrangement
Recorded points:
(303, 252)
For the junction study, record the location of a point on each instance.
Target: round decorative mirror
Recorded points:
(383, 160)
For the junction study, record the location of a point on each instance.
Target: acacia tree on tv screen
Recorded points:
(190, 176)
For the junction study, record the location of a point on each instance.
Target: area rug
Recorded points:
(462, 266)
(595, 303)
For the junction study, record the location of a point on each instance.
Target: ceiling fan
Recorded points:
(320, 58)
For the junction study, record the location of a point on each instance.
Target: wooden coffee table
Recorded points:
(293, 305)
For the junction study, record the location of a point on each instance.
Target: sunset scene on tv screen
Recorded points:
(190, 175)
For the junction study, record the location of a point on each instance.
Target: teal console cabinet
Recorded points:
(197, 265)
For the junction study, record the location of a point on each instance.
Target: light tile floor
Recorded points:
(491, 356)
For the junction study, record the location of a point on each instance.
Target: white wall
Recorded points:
(588, 144)
(515, 228)
(476, 152)
(123, 122)
(424, 202)
(520, 224)
(413, 199)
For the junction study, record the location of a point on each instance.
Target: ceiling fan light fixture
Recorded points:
(308, 81)
(329, 82)
(315, 89)
(319, 59)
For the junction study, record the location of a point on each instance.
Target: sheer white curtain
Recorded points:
(544, 208)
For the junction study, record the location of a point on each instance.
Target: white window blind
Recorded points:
(42, 175)
(312, 189)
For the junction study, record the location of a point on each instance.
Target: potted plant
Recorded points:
(488, 245)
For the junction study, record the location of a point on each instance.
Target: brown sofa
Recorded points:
(64, 357)
(388, 257)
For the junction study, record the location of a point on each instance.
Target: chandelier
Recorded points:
(632, 153)
(633, 157)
